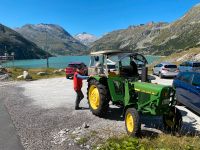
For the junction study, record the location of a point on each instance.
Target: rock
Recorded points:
(61, 70)
(85, 125)
(77, 139)
(66, 130)
(3, 70)
(76, 132)
(20, 77)
(61, 133)
(55, 71)
(87, 146)
(4, 77)
(26, 75)
(41, 73)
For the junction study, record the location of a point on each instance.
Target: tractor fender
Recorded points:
(98, 78)
(128, 106)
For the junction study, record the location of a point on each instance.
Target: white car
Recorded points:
(165, 69)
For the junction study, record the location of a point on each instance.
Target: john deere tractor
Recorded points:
(116, 79)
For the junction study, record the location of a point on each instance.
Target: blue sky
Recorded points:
(93, 16)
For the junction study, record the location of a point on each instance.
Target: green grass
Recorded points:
(15, 72)
(162, 142)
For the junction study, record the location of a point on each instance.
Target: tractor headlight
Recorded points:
(168, 97)
(166, 101)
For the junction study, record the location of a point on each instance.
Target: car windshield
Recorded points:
(196, 64)
(111, 66)
(170, 66)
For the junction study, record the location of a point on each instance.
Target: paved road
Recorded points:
(9, 139)
(44, 116)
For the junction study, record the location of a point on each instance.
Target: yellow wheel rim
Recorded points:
(94, 98)
(171, 122)
(130, 122)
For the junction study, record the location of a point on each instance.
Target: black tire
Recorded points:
(136, 122)
(160, 75)
(153, 72)
(67, 77)
(103, 106)
(173, 121)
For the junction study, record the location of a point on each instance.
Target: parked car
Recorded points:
(71, 68)
(189, 66)
(165, 69)
(187, 85)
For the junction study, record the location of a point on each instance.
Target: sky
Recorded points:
(97, 17)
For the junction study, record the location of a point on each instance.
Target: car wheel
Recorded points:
(160, 75)
(153, 72)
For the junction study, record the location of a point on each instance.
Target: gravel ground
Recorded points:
(44, 116)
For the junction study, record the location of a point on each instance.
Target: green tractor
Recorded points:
(116, 78)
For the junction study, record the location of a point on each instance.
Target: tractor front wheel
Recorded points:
(98, 98)
(132, 122)
(173, 120)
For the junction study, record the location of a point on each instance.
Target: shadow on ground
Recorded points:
(153, 125)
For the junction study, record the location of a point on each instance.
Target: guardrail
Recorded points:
(5, 58)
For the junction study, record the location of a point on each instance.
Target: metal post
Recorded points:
(13, 57)
(47, 57)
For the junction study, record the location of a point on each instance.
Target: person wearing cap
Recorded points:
(78, 82)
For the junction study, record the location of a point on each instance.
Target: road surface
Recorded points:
(43, 116)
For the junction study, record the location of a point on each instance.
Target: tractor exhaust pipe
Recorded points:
(144, 76)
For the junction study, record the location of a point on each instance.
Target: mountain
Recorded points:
(58, 41)
(85, 38)
(11, 41)
(156, 38)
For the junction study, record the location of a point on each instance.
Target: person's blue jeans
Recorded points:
(79, 97)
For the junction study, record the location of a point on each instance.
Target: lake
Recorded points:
(59, 61)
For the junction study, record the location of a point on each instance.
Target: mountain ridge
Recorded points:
(156, 38)
(11, 41)
(53, 38)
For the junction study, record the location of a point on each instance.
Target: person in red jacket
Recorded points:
(78, 82)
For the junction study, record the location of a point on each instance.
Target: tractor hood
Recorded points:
(149, 88)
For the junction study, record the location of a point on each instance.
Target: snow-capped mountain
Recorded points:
(86, 38)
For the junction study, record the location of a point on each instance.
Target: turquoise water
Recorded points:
(58, 62)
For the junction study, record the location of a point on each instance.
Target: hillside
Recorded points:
(156, 38)
(11, 41)
(192, 54)
(85, 38)
(58, 41)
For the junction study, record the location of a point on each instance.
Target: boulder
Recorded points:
(61, 70)
(56, 71)
(20, 77)
(26, 75)
(4, 77)
(41, 73)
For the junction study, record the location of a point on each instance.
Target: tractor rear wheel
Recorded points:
(173, 120)
(97, 98)
(132, 122)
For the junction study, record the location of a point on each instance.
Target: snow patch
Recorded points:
(85, 38)
(197, 5)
